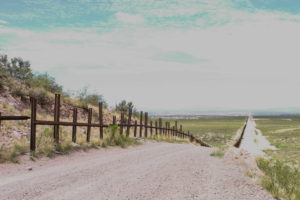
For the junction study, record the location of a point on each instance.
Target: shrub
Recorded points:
(115, 139)
(19, 91)
(47, 82)
(86, 98)
(280, 179)
(12, 154)
(45, 144)
(218, 153)
(41, 95)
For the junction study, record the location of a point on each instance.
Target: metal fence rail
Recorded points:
(144, 128)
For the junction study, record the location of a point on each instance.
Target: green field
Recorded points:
(282, 173)
(284, 133)
(213, 130)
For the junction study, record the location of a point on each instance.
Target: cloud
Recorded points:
(177, 57)
(130, 18)
(235, 59)
(3, 22)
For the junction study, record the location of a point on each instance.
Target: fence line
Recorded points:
(143, 126)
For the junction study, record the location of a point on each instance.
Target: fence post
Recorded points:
(101, 119)
(135, 128)
(56, 117)
(32, 124)
(129, 122)
(114, 120)
(181, 135)
(160, 126)
(190, 136)
(74, 128)
(151, 124)
(166, 130)
(146, 124)
(173, 131)
(141, 123)
(0, 121)
(121, 123)
(155, 127)
(88, 134)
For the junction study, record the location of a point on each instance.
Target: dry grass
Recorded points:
(281, 180)
(213, 130)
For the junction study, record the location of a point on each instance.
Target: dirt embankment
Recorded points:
(149, 171)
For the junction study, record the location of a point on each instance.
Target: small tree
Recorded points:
(86, 98)
(47, 82)
(124, 106)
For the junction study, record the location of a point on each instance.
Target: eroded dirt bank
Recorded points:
(149, 171)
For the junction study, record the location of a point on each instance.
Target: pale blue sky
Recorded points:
(193, 54)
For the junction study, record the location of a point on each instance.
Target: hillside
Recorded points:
(17, 84)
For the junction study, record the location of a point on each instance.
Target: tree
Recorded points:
(19, 69)
(86, 98)
(47, 82)
(124, 106)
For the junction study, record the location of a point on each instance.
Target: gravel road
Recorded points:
(149, 171)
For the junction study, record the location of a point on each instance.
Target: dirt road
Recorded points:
(150, 171)
(253, 141)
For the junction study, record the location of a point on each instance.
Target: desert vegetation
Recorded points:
(281, 168)
(214, 130)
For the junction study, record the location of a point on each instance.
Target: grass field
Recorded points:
(284, 133)
(214, 130)
(282, 173)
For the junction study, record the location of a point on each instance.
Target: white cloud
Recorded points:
(251, 62)
(3, 21)
(130, 18)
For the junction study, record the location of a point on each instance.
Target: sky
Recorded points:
(164, 55)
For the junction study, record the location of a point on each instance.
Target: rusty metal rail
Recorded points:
(2, 118)
(12, 118)
(145, 127)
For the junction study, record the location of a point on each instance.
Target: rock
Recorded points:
(29, 168)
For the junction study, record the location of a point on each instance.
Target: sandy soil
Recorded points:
(150, 171)
(253, 141)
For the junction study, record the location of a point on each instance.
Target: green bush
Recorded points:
(87, 98)
(46, 82)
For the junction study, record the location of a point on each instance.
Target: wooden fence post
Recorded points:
(135, 128)
(129, 122)
(121, 123)
(101, 119)
(74, 128)
(32, 124)
(155, 127)
(141, 123)
(56, 118)
(88, 134)
(146, 124)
